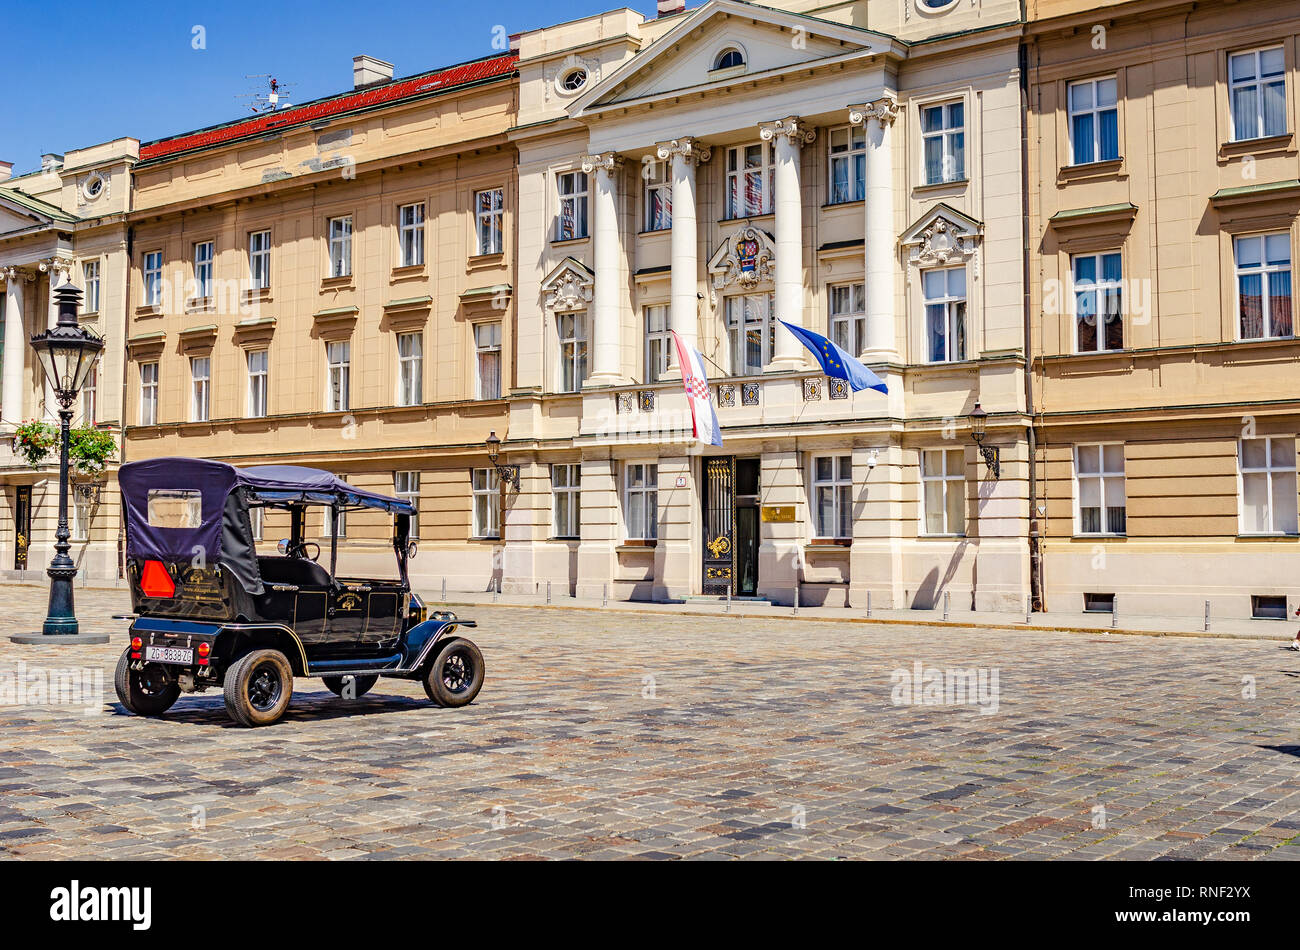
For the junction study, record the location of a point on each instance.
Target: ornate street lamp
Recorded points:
(508, 474)
(978, 417)
(67, 354)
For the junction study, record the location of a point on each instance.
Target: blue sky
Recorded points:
(101, 70)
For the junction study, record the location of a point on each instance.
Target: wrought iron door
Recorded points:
(22, 526)
(719, 500)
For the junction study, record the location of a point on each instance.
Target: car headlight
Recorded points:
(418, 611)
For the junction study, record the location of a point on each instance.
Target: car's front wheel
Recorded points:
(338, 685)
(456, 674)
(146, 692)
(258, 687)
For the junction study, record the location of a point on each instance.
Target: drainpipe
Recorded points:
(121, 405)
(1031, 437)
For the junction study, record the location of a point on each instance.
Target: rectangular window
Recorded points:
(255, 521)
(258, 364)
(200, 387)
(90, 396)
(339, 518)
(1094, 121)
(203, 253)
(943, 136)
(641, 501)
(410, 234)
(848, 164)
(1263, 270)
(572, 222)
(848, 317)
(153, 279)
(148, 394)
(943, 491)
(487, 358)
(1268, 486)
(338, 358)
(340, 246)
(658, 342)
(565, 519)
(944, 291)
(1257, 93)
(751, 326)
(572, 330)
(489, 218)
(1098, 302)
(487, 501)
(833, 496)
(80, 526)
(410, 369)
(406, 486)
(174, 508)
(90, 276)
(658, 196)
(259, 260)
(1099, 471)
(750, 180)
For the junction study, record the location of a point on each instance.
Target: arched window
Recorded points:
(728, 58)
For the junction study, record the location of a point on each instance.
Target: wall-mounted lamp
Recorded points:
(508, 474)
(992, 462)
(873, 459)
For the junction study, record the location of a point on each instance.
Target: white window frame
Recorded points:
(204, 269)
(948, 478)
(578, 197)
(566, 481)
(152, 270)
(658, 184)
(956, 309)
(1102, 288)
(341, 521)
(410, 234)
(257, 521)
(736, 204)
(644, 497)
(406, 485)
(573, 350)
(200, 388)
(1270, 470)
(947, 134)
(259, 259)
(658, 342)
(737, 334)
(489, 220)
(1104, 476)
(840, 485)
(258, 401)
(1259, 83)
(1096, 112)
(849, 325)
(485, 487)
(149, 393)
(90, 395)
(339, 245)
(1265, 271)
(90, 278)
(851, 152)
(338, 375)
(410, 368)
(79, 510)
(487, 349)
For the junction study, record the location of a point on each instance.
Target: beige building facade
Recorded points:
(1165, 185)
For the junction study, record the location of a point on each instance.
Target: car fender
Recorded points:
(418, 642)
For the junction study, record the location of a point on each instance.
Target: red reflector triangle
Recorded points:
(155, 581)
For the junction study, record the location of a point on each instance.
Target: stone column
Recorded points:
(11, 396)
(788, 135)
(878, 116)
(685, 153)
(605, 362)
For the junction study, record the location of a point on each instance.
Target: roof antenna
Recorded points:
(273, 100)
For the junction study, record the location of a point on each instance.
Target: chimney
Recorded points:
(671, 7)
(51, 161)
(368, 71)
(6, 170)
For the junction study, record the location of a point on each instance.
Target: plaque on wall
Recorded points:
(778, 513)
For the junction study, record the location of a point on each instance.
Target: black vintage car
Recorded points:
(210, 611)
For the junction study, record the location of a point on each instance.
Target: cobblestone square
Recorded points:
(611, 734)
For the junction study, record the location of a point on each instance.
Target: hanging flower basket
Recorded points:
(34, 441)
(89, 449)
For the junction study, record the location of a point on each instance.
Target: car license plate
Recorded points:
(168, 655)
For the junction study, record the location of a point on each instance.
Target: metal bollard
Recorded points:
(728, 608)
(444, 590)
(868, 603)
(1207, 615)
(548, 592)
(945, 605)
(1114, 610)
(495, 593)
(1029, 610)
(604, 595)
(796, 597)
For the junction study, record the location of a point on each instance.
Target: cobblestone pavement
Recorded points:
(628, 735)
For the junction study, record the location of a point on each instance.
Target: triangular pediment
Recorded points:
(768, 41)
(569, 285)
(20, 211)
(942, 235)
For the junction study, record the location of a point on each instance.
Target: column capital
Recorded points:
(688, 147)
(14, 273)
(604, 161)
(791, 127)
(884, 110)
(56, 266)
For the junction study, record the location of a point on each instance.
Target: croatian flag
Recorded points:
(705, 417)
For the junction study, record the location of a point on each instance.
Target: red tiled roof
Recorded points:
(461, 75)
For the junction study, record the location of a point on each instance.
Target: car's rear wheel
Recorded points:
(360, 685)
(456, 674)
(147, 692)
(258, 687)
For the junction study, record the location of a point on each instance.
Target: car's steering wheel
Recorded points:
(308, 555)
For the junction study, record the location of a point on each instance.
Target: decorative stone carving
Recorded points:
(838, 388)
(569, 286)
(791, 127)
(727, 395)
(692, 148)
(646, 400)
(606, 161)
(623, 401)
(556, 72)
(884, 110)
(749, 394)
(812, 389)
(57, 267)
(745, 259)
(942, 236)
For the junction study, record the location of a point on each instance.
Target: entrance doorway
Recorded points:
(22, 525)
(730, 508)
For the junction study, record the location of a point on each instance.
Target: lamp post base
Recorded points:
(58, 639)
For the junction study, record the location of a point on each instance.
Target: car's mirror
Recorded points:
(283, 546)
(410, 551)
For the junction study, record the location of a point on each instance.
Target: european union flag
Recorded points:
(835, 362)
